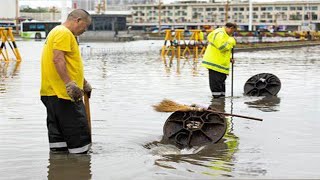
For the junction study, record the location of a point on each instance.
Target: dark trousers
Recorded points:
(67, 125)
(217, 83)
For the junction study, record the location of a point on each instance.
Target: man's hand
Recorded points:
(232, 60)
(74, 91)
(87, 88)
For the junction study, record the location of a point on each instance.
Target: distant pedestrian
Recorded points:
(129, 29)
(63, 85)
(217, 57)
(309, 36)
(116, 30)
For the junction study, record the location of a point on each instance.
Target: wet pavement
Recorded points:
(128, 78)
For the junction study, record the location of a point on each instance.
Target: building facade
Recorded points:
(289, 15)
(88, 5)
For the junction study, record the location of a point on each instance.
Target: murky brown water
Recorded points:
(128, 78)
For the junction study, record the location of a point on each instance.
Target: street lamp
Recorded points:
(159, 6)
(17, 15)
(250, 15)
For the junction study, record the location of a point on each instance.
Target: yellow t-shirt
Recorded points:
(60, 38)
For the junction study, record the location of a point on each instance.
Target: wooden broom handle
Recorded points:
(87, 107)
(235, 115)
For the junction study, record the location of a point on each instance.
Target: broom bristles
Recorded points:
(167, 105)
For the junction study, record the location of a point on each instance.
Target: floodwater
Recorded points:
(128, 78)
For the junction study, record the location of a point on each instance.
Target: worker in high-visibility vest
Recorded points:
(217, 57)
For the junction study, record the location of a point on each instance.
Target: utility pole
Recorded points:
(250, 15)
(17, 16)
(53, 10)
(64, 10)
(227, 12)
(159, 6)
(104, 5)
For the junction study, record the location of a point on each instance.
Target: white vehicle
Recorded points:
(37, 29)
(7, 24)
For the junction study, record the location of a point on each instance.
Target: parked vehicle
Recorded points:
(37, 29)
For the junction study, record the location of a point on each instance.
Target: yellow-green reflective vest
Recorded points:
(218, 53)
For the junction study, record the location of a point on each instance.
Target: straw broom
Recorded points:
(167, 105)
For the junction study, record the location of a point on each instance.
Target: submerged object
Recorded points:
(264, 84)
(194, 128)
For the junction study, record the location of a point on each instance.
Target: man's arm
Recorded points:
(60, 64)
(72, 88)
(223, 44)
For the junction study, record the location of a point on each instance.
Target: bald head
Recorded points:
(78, 21)
(79, 13)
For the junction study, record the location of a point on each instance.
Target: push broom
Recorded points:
(167, 105)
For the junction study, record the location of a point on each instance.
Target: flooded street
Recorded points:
(128, 78)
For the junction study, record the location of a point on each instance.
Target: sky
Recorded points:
(57, 3)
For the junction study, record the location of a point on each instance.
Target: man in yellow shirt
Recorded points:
(63, 85)
(217, 57)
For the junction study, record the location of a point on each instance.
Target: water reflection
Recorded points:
(174, 64)
(69, 166)
(266, 104)
(217, 159)
(225, 149)
(8, 69)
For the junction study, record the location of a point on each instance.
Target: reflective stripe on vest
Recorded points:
(215, 65)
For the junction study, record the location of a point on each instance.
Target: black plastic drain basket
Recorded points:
(193, 128)
(264, 84)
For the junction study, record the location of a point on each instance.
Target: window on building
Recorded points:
(221, 9)
(270, 8)
(299, 8)
(314, 8)
(292, 8)
(255, 9)
(314, 16)
(278, 8)
(284, 8)
(263, 8)
(103, 23)
(299, 16)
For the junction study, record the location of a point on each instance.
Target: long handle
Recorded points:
(87, 106)
(232, 72)
(236, 115)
